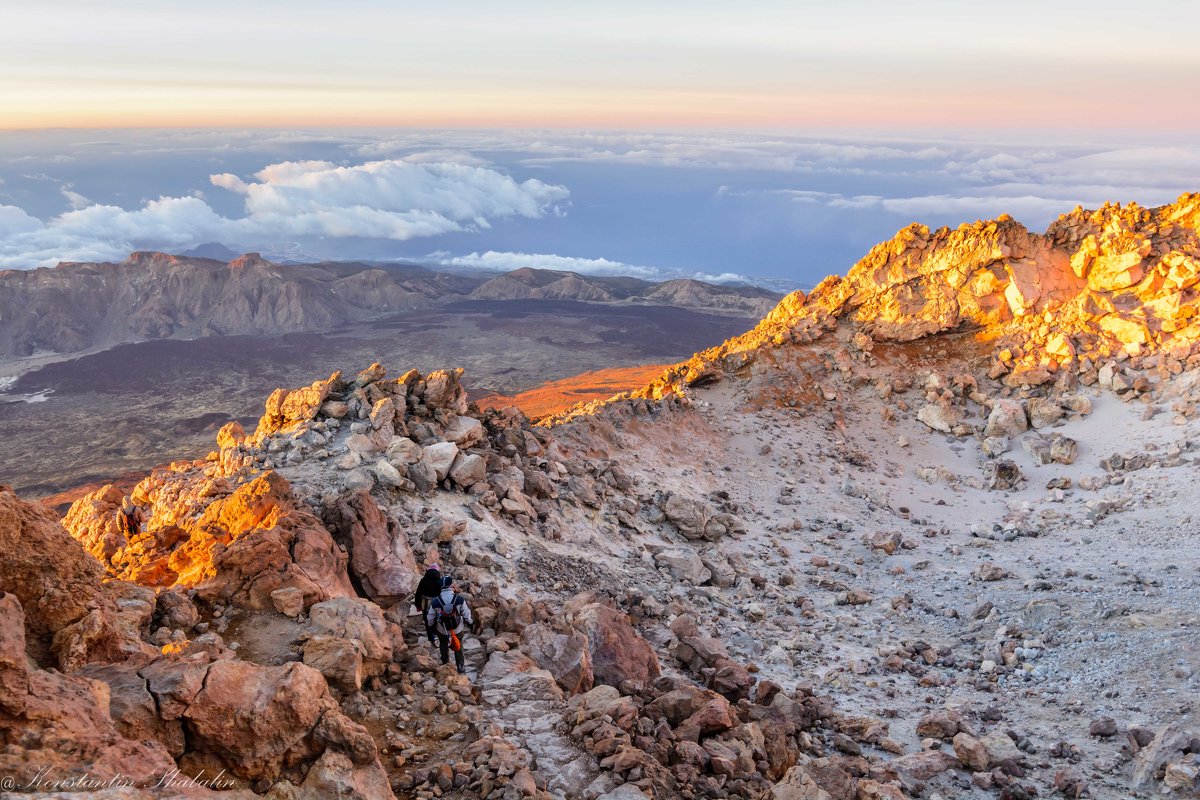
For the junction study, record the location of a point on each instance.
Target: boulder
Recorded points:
(1110, 273)
(358, 621)
(697, 520)
(288, 601)
(1001, 474)
(443, 390)
(442, 530)
(383, 415)
(1053, 449)
(1007, 418)
(971, 752)
(465, 432)
(358, 480)
(373, 373)
(798, 784)
(618, 653)
(387, 475)
(262, 723)
(339, 660)
(61, 724)
(232, 434)
(679, 704)
(440, 457)
(468, 469)
(1000, 748)
(940, 417)
(362, 444)
(173, 609)
(712, 716)
(921, 767)
(381, 558)
(564, 655)
(334, 409)
(336, 774)
(423, 476)
(403, 450)
(1044, 411)
(1063, 450)
(684, 565)
(940, 725)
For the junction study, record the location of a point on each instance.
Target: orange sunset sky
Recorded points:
(1019, 65)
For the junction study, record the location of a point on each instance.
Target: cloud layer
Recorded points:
(394, 200)
(793, 206)
(504, 262)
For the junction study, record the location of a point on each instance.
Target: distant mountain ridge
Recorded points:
(79, 306)
(545, 284)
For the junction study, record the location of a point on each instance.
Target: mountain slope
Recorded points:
(1117, 282)
(75, 307)
(896, 542)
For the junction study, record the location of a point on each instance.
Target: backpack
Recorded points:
(449, 617)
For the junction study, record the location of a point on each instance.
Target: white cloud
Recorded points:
(505, 262)
(1035, 209)
(393, 200)
(976, 207)
(76, 200)
(386, 199)
(14, 221)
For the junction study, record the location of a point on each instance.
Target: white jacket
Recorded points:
(446, 598)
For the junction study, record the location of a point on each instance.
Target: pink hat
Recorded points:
(435, 566)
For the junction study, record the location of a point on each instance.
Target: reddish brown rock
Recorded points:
(71, 618)
(265, 722)
(61, 724)
(380, 556)
(233, 549)
(618, 653)
(564, 655)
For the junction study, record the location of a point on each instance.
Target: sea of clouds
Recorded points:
(768, 208)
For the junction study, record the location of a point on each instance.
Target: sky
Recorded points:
(768, 141)
(621, 64)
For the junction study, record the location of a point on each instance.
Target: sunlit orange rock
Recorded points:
(1099, 282)
(237, 548)
(73, 617)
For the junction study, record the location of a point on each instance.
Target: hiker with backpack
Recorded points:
(429, 588)
(449, 615)
(129, 519)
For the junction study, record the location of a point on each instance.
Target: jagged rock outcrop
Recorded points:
(125, 711)
(1117, 283)
(61, 723)
(256, 724)
(72, 617)
(231, 546)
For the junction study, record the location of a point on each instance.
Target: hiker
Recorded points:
(429, 588)
(129, 519)
(449, 615)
